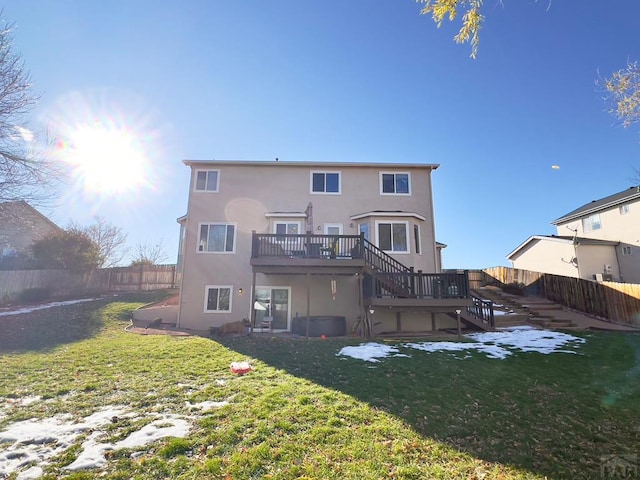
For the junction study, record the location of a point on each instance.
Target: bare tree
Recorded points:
(150, 254)
(24, 172)
(110, 239)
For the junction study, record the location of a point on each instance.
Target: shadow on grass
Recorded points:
(42, 330)
(555, 415)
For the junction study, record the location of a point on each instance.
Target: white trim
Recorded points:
(206, 298)
(285, 163)
(195, 183)
(285, 215)
(407, 232)
(235, 238)
(289, 318)
(388, 214)
(394, 173)
(339, 192)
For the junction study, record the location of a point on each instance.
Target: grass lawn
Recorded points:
(305, 413)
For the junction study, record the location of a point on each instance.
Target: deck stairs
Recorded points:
(514, 310)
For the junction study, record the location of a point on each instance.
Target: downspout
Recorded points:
(433, 227)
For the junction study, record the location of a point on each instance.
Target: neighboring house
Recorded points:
(598, 241)
(20, 226)
(285, 240)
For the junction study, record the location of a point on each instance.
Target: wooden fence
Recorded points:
(61, 283)
(617, 302)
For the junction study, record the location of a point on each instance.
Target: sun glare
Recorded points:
(105, 159)
(106, 139)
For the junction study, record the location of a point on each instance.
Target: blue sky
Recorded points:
(357, 80)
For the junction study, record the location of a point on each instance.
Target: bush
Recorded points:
(31, 295)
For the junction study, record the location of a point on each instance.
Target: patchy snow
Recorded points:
(44, 306)
(528, 339)
(207, 405)
(371, 352)
(492, 351)
(499, 344)
(31, 474)
(29, 445)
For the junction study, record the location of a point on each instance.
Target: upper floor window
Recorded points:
(287, 228)
(325, 182)
(207, 180)
(626, 250)
(217, 237)
(591, 223)
(416, 237)
(624, 209)
(217, 299)
(393, 236)
(395, 183)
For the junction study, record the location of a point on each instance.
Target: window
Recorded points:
(207, 180)
(364, 228)
(290, 228)
(325, 182)
(217, 237)
(591, 223)
(394, 183)
(217, 298)
(416, 237)
(626, 251)
(624, 209)
(392, 236)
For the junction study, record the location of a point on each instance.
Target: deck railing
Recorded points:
(483, 310)
(306, 246)
(387, 277)
(418, 285)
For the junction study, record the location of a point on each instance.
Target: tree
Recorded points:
(471, 20)
(623, 94)
(71, 249)
(149, 254)
(24, 174)
(109, 238)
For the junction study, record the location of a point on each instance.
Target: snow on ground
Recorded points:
(206, 406)
(28, 445)
(499, 344)
(44, 306)
(371, 352)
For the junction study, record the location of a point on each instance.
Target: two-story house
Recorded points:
(599, 241)
(283, 241)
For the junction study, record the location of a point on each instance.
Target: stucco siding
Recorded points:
(254, 197)
(547, 256)
(614, 225)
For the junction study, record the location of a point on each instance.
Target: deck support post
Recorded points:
(252, 308)
(308, 302)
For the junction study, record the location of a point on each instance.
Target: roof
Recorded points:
(395, 166)
(18, 210)
(562, 239)
(595, 206)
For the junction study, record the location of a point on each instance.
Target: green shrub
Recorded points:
(31, 295)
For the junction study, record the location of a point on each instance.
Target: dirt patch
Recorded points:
(172, 300)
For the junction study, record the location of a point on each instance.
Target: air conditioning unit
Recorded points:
(598, 277)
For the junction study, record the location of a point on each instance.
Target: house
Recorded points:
(277, 242)
(20, 226)
(599, 241)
